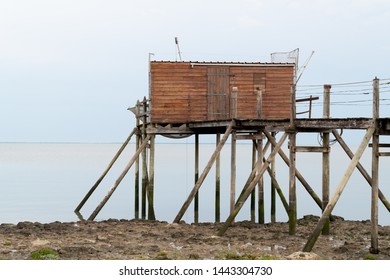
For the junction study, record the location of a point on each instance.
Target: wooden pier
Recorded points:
(263, 126)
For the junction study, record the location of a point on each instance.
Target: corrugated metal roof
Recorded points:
(226, 62)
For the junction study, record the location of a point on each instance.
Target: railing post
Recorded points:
(234, 102)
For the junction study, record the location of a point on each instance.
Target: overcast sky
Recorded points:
(70, 69)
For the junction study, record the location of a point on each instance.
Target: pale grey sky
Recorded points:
(69, 69)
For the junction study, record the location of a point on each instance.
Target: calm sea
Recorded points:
(45, 182)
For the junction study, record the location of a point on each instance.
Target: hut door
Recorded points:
(218, 99)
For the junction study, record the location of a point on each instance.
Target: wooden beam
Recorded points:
(329, 208)
(204, 173)
(120, 178)
(249, 137)
(311, 149)
(247, 191)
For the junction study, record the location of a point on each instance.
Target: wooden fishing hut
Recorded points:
(251, 101)
(186, 92)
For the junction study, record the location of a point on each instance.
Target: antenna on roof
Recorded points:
(178, 48)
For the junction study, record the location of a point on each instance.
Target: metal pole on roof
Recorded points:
(178, 48)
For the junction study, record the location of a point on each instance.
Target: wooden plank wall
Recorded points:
(174, 87)
(179, 91)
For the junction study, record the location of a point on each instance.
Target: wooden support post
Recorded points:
(374, 195)
(87, 196)
(253, 194)
(144, 164)
(218, 183)
(292, 211)
(260, 185)
(151, 214)
(120, 178)
(297, 173)
(247, 191)
(325, 159)
(136, 172)
(273, 185)
(233, 172)
(196, 201)
(363, 171)
(340, 188)
(375, 171)
(204, 173)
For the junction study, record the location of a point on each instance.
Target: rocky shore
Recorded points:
(124, 239)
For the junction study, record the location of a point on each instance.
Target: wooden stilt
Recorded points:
(325, 158)
(196, 200)
(117, 182)
(253, 194)
(375, 171)
(241, 200)
(233, 172)
(374, 195)
(340, 188)
(144, 165)
(87, 196)
(204, 173)
(151, 214)
(292, 211)
(136, 172)
(260, 184)
(136, 182)
(218, 183)
(273, 187)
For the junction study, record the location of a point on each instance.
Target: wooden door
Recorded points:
(218, 97)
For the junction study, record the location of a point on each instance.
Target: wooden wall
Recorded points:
(181, 92)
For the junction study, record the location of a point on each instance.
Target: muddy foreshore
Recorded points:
(124, 239)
